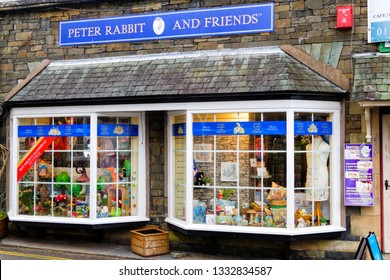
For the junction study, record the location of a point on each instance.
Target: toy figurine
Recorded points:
(42, 168)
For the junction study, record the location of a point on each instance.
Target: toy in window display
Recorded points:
(29, 142)
(43, 201)
(61, 178)
(61, 208)
(199, 179)
(82, 179)
(251, 213)
(44, 169)
(115, 212)
(127, 167)
(102, 212)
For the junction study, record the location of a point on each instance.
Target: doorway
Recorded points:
(385, 184)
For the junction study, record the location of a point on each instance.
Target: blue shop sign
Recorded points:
(159, 26)
(117, 130)
(239, 128)
(179, 129)
(77, 130)
(312, 128)
(53, 130)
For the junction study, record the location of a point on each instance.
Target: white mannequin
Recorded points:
(317, 176)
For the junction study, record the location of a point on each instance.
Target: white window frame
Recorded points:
(289, 107)
(88, 111)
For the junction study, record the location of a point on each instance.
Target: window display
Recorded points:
(259, 171)
(314, 135)
(55, 170)
(242, 150)
(51, 151)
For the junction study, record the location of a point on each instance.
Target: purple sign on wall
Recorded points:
(358, 185)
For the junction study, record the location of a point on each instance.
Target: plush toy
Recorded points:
(62, 177)
(102, 212)
(76, 189)
(115, 212)
(220, 194)
(127, 167)
(301, 223)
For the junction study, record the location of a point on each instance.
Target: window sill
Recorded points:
(298, 232)
(77, 221)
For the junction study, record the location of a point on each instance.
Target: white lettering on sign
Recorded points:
(84, 32)
(187, 24)
(222, 21)
(125, 29)
(231, 20)
(109, 30)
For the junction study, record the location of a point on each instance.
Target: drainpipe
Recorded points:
(367, 114)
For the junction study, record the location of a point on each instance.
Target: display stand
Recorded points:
(317, 211)
(123, 194)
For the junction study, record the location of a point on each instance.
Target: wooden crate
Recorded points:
(149, 241)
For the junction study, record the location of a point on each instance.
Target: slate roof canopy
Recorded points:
(221, 74)
(371, 77)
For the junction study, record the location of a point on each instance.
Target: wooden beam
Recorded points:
(330, 73)
(30, 76)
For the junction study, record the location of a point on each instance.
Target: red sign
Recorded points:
(344, 18)
(33, 154)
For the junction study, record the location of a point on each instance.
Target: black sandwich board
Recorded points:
(371, 242)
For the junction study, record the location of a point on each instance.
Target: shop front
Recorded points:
(253, 142)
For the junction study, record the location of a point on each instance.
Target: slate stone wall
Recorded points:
(31, 36)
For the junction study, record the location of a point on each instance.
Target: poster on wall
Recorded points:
(378, 21)
(202, 152)
(358, 174)
(229, 171)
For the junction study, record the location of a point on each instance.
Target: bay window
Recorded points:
(78, 168)
(267, 171)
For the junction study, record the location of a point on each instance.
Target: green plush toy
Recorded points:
(62, 177)
(115, 212)
(76, 189)
(127, 167)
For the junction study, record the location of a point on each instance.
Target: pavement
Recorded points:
(106, 249)
(110, 250)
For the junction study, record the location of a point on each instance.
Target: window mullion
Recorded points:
(93, 167)
(290, 169)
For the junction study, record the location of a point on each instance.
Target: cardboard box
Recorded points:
(149, 241)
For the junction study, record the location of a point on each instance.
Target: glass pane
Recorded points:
(117, 166)
(313, 136)
(44, 200)
(243, 155)
(51, 150)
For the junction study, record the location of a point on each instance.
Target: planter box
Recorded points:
(3, 227)
(149, 241)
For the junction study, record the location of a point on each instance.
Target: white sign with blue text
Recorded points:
(159, 26)
(378, 21)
